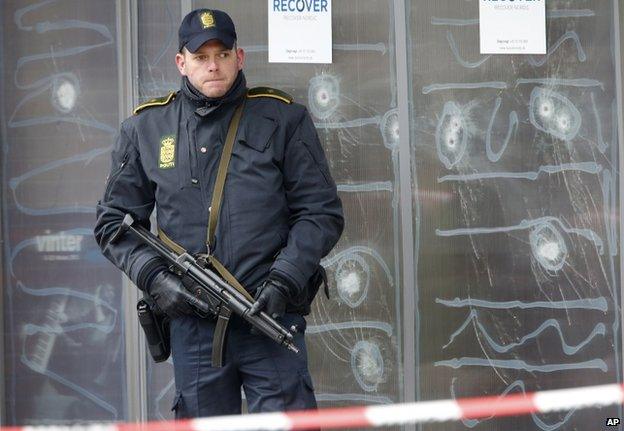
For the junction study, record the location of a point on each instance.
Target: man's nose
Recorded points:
(212, 65)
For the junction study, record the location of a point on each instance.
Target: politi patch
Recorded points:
(167, 152)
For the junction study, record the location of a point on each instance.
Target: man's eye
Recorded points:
(224, 54)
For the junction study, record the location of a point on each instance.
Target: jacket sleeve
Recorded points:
(128, 190)
(316, 218)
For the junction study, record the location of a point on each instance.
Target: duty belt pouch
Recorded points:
(155, 325)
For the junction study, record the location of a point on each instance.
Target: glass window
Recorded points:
(514, 191)
(63, 344)
(516, 177)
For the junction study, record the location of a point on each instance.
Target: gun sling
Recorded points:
(215, 208)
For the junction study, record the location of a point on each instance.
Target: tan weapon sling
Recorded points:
(214, 210)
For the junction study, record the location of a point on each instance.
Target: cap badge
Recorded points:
(207, 19)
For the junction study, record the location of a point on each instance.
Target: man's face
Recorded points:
(213, 68)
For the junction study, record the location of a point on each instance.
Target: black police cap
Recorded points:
(202, 25)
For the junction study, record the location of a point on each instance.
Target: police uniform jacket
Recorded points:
(280, 208)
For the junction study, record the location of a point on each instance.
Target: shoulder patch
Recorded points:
(269, 92)
(159, 101)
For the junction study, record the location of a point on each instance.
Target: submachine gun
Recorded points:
(208, 285)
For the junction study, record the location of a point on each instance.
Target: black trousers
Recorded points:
(273, 378)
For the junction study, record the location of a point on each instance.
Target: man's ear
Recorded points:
(240, 57)
(180, 61)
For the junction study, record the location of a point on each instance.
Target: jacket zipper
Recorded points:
(115, 175)
(192, 134)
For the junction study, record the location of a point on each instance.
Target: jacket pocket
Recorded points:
(318, 160)
(258, 132)
(115, 173)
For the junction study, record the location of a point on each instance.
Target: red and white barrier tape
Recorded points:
(377, 416)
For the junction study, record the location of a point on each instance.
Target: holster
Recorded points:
(155, 325)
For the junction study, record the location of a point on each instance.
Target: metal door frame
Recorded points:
(410, 330)
(2, 231)
(618, 50)
(134, 342)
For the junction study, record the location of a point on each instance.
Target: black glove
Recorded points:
(272, 297)
(170, 294)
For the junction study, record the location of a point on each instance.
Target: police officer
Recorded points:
(278, 215)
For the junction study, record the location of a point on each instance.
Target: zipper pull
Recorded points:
(124, 161)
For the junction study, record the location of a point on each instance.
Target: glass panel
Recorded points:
(516, 211)
(157, 46)
(517, 194)
(64, 349)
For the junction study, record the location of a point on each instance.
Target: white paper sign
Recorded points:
(512, 26)
(300, 31)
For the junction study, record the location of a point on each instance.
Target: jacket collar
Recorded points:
(203, 105)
